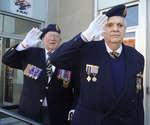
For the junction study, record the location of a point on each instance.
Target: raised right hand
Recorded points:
(32, 38)
(96, 28)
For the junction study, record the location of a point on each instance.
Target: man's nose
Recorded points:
(115, 28)
(52, 38)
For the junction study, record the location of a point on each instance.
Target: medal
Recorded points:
(59, 74)
(65, 76)
(88, 71)
(138, 88)
(94, 79)
(94, 73)
(91, 70)
(65, 84)
(88, 78)
(139, 81)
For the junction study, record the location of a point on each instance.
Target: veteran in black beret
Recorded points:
(49, 92)
(111, 73)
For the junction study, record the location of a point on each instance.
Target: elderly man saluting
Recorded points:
(48, 91)
(111, 73)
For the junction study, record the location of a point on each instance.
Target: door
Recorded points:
(12, 79)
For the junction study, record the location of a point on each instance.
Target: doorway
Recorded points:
(11, 79)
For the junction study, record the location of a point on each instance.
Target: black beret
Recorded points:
(50, 27)
(119, 10)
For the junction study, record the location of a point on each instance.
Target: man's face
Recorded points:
(115, 30)
(51, 40)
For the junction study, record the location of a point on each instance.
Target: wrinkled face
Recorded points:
(51, 40)
(114, 30)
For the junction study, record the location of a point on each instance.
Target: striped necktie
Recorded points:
(114, 54)
(49, 66)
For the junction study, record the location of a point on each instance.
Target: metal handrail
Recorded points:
(19, 117)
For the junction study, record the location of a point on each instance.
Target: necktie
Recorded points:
(114, 54)
(49, 66)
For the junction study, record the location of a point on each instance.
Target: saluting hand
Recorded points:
(32, 38)
(96, 28)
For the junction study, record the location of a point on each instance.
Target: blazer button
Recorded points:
(46, 87)
(132, 100)
(121, 118)
(41, 100)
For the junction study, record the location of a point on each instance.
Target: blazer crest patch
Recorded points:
(32, 71)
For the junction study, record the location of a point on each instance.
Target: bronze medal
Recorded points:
(65, 84)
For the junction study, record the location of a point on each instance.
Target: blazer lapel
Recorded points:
(43, 65)
(43, 58)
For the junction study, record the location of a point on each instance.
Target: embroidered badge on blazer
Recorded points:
(32, 71)
(139, 82)
(92, 71)
(64, 75)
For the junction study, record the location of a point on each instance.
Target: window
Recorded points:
(132, 16)
(18, 26)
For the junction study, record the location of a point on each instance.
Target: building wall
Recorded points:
(73, 16)
(147, 97)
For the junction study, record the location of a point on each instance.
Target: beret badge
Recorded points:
(57, 28)
(125, 12)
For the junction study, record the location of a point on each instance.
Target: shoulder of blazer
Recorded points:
(93, 46)
(137, 56)
(133, 51)
(34, 50)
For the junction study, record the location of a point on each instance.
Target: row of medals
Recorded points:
(92, 70)
(65, 76)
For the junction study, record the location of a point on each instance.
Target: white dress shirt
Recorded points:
(119, 50)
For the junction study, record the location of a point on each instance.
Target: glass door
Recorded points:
(12, 79)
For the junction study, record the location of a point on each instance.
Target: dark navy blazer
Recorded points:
(60, 99)
(98, 104)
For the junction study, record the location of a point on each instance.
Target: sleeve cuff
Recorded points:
(20, 47)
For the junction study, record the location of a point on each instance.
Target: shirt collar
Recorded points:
(46, 51)
(110, 50)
